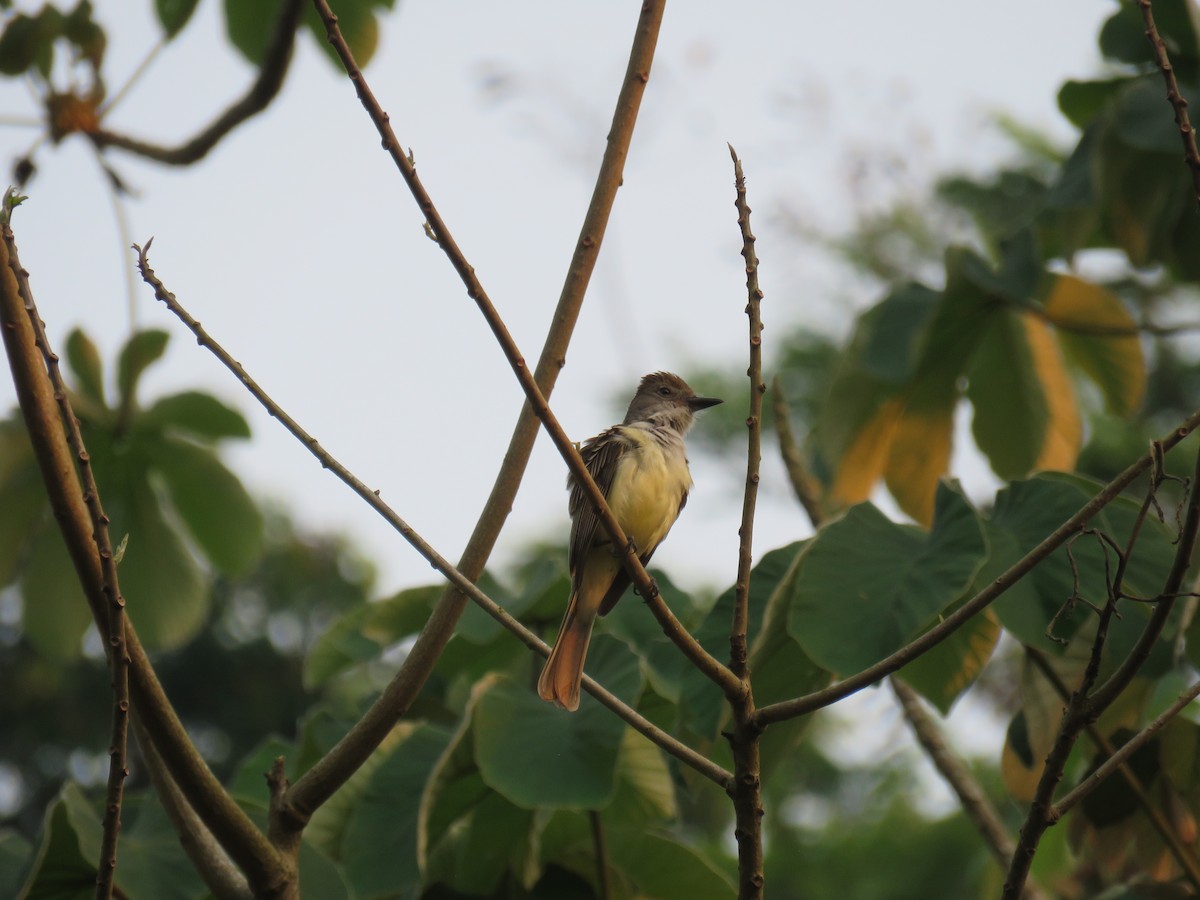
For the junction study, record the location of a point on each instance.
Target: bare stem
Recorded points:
(264, 89)
(118, 657)
(228, 823)
(1191, 155)
(807, 491)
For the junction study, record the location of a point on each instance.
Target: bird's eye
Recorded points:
(664, 391)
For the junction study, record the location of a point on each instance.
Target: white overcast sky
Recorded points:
(297, 245)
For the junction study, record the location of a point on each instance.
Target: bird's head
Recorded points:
(668, 399)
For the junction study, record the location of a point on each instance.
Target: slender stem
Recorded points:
(266, 86)
(746, 789)
(213, 864)
(807, 491)
(325, 776)
(118, 659)
(975, 804)
(437, 229)
(35, 394)
(741, 609)
(601, 854)
(1186, 133)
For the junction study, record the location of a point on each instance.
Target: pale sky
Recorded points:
(297, 245)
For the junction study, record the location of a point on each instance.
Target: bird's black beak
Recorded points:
(698, 403)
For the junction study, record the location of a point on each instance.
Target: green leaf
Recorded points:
(537, 755)
(1142, 195)
(29, 40)
(140, 351)
(660, 866)
(1123, 36)
(60, 871)
(55, 613)
(358, 25)
(1143, 119)
(702, 705)
(248, 785)
(866, 585)
(378, 849)
(942, 674)
(217, 511)
(195, 413)
(85, 363)
(250, 24)
(166, 593)
(1083, 101)
(23, 499)
(493, 839)
(174, 14)
(16, 854)
(1024, 513)
(366, 631)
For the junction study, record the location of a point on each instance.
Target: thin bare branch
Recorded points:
(118, 658)
(266, 86)
(438, 230)
(788, 709)
(601, 854)
(1187, 134)
(35, 394)
(212, 864)
(806, 488)
(746, 789)
(975, 803)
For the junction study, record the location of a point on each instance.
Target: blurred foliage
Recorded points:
(179, 512)
(1041, 296)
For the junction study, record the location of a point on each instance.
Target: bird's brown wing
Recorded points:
(601, 455)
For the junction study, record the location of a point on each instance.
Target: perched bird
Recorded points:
(641, 468)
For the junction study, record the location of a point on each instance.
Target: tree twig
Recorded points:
(746, 791)
(805, 488)
(600, 852)
(328, 773)
(228, 823)
(788, 709)
(264, 89)
(1191, 155)
(118, 658)
(438, 230)
(975, 803)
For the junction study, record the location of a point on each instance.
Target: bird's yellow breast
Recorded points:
(651, 483)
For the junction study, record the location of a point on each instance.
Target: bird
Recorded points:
(641, 468)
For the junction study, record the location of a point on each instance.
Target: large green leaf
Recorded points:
(195, 413)
(537, 755)
(55, 613)
(139, 352)
(656, 865)
(494, 839)
(378, 848)
(16, 855)
(1024, 513)
(866, 585)
(1083, 101)
(702, 704)
(166, 592)
(212, 503)
(362, 634)
(174, 14)
(60, 871)
(86, 366)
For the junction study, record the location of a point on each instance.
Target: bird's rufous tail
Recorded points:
(559, 681)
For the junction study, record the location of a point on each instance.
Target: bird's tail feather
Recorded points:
(559, 681)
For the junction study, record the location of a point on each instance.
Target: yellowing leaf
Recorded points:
(864, 460)
(918, 457)
(1115, 362)
(1063, 432)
